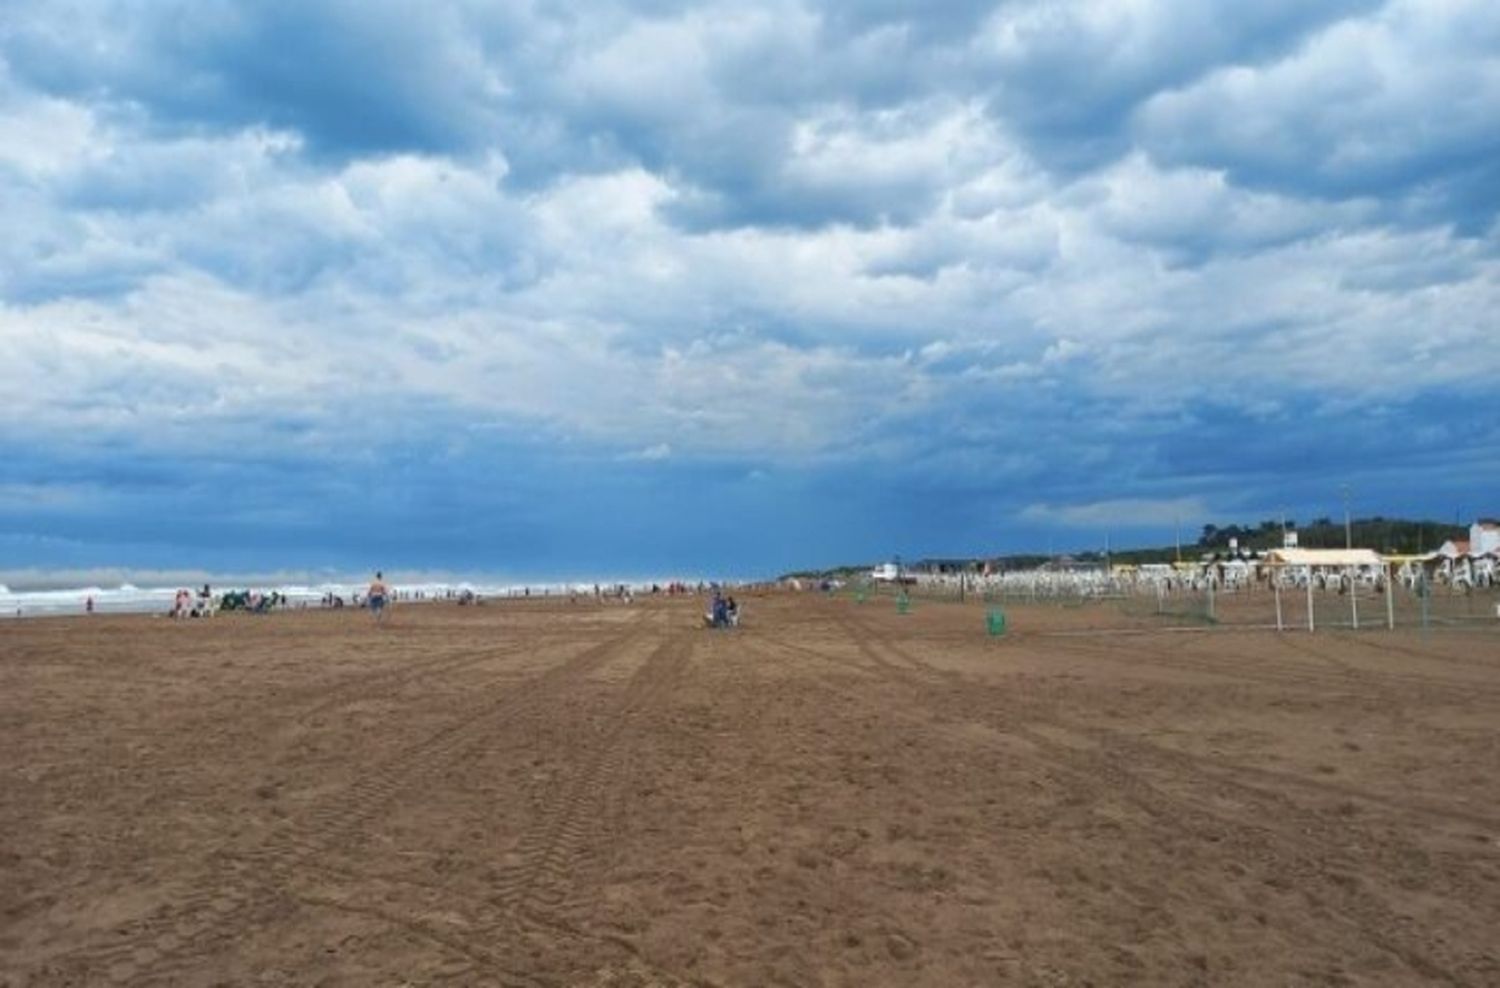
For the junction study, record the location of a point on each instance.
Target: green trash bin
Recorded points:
(903, 603)
(994, 622)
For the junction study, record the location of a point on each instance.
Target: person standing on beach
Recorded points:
(377, 597)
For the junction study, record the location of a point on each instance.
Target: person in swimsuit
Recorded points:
(377, 597)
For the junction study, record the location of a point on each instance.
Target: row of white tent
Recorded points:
(1350, 567)
(1320, 568)
(1462, 570)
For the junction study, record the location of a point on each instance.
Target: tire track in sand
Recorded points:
(1110, 762)
(1086, 766)
(1331, 674)
(165, 945)
(543, 889)
(557, 845)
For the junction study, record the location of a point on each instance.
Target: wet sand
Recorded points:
(537, 793)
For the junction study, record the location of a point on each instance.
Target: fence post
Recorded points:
(1354, 600)
(1424, 590)
(1211, 601)
(1276, 588)
(1390, 599)
(1311, 625)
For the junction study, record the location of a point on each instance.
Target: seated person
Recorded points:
(718, 614)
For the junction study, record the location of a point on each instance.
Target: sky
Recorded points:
(670, 287)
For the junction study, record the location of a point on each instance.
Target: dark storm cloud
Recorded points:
(351, 78)
(1068, 76)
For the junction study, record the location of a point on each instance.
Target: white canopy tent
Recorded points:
(1327, 561)
(1332, 558)
(1328, 558)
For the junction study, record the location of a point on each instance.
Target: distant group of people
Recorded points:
(723, 612)
(186, 604)
(253, 601)
(204, 603)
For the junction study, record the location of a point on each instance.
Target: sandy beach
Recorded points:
(537, 793)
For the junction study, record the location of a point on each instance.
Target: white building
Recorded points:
(1483, 540)
(1484, 537)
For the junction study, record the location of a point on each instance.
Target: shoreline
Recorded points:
(129, 599)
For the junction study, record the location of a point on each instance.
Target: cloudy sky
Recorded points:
(544, 288)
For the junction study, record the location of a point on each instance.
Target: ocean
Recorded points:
(130, 599)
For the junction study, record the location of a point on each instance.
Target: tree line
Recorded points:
(1391, 536)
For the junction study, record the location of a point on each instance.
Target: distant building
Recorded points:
(1483, 540)
(1454, 548)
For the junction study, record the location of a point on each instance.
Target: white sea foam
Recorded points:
(31, 603)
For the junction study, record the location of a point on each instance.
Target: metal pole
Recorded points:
(1311, 626)
(1210, 598)
(1424, 590)
(1353, 599)
(1276, 588)
(1390, 599)
(1349, 537)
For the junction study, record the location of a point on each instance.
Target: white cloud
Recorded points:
(1371, 106)
(887, 237)
(1122, 513)
(1196, 211)
(39, 136)
(656, 453)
